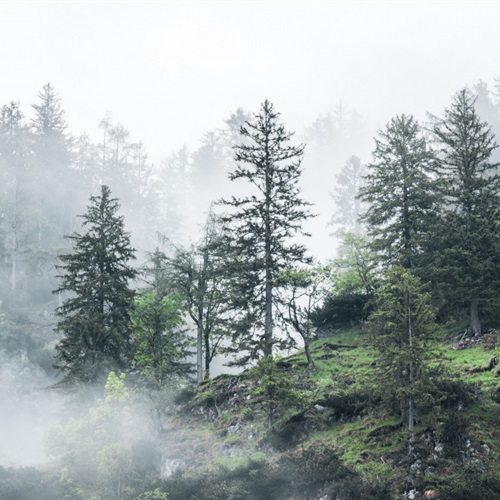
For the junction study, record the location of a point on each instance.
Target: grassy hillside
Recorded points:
(336, 434)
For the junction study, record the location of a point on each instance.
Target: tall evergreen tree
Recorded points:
(264, 225)
(15, 161)
(466, 241)
(95, 317)
(401, 323)
(398, 191)
(53, 181)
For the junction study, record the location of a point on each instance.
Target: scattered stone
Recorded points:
(412, 494)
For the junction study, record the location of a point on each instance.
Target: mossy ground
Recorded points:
(342, 413)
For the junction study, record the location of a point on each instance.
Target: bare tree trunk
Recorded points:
(310, 361)
(475, 325)
(201, 307)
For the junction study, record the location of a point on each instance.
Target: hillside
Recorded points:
(337, 440)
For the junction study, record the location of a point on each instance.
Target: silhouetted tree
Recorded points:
(398, 191)
(466, 241)
(95, 317)
(263, 226)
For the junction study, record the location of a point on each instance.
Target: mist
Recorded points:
(151, 97)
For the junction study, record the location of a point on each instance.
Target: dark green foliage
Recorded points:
(454, 433)
(471, 483)
(27, 483)
(398, 191)
(275, 392)
(262, 227)
(197, 274)
(342, 311)
(401, 323)
(306, 474)
(95, 317)
(465, 242)
(161, 342)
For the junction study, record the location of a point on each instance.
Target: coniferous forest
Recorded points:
(169, 333)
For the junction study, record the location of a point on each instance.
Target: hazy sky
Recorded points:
(169, 71)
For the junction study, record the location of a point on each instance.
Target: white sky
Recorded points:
(170, 71)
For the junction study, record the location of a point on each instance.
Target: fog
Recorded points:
(179, 78)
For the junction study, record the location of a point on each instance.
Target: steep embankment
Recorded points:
(285, 432)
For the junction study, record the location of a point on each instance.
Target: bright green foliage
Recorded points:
(262, 229)
(95, 317)
(307, 288)
(401, 323)
(354, 270)
(156, 494)
(464, 244)
(94, 451)
(398, 191)
(276, 392)
(115, 388)
(162, 345)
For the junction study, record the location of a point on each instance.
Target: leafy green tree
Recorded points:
(263, 226)
(465, 242)
(401, 323)
(353, 275)
(275, 392)
(353, 271)
(198, 274)
(398, 191)
(95, 449)
(307, 288)
(162, 345)
(95, 317)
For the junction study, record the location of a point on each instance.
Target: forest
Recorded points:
(172, 331)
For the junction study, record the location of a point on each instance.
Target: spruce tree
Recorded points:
(398, 191)
(401, 323)
(53, 181)
(95, 316)
(263, 226)
(465, 243)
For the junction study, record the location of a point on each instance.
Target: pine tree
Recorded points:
(263, 226)
(95, 317)
(15, 209)
(401, 323)
(53, 181)
(399, 192)
(465, 242)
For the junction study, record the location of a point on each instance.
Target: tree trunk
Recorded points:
(200, 325)
(268, 324)
(199, 354)
(310, 361)
(475, 325)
